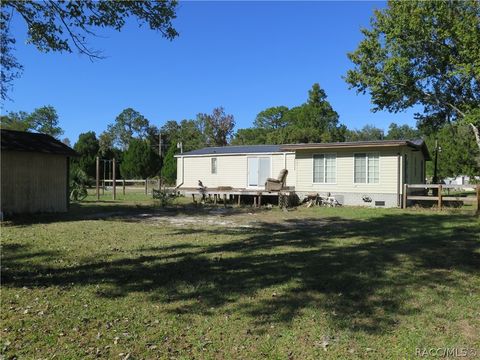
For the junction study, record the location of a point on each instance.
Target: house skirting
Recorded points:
(358, 199)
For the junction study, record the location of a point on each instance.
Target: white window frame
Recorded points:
(211, 166)
(324, 169)
(367, 153)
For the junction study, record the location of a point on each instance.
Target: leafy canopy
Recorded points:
(128, 124)
(139, 160)
(272, 118)
(43, 120)
(421, 53)
(87, 146)
(368, 132)
(217, 126)
(313, 121)
(458, 153)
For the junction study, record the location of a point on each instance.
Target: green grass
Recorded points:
(117, 278)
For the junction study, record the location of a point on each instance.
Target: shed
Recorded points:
(34, 173)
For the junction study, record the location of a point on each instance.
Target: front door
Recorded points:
(258, 171)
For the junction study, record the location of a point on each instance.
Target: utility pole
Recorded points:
(160, 144)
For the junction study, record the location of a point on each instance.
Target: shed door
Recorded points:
(258, 171)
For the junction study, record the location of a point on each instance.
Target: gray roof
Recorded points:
(250, 149)
(241, 149)
(418, 144)
(33, 142)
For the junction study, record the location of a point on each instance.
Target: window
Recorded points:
(325, 168)
(214, 166)
(366, 168)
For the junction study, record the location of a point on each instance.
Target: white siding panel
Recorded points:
(344, 179)
(231, 169)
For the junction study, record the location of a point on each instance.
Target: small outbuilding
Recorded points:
(34, 173)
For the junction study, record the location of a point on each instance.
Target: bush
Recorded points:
(78, 184)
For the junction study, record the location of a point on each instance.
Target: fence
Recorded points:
(145, 186)
(438, 196)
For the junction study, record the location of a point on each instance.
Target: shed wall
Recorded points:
(33, 182)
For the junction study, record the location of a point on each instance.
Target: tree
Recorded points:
(45, 120)
(128, 124)
(10, 67)
(139, 160)
(87, 146)
(62, 26)
(105, 144)
(169, 168)
(459, 154)
(367, 133)
(19, 121)
(421, 53)
(313, 121)
(271, 118)
(251, 136)
(316, 95)
(218, 126)
(402, 132)
(187, 132)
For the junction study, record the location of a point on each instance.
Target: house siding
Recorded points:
(344, 179)
(231, 169)
(33, 182)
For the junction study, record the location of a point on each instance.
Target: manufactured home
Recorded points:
(370, 173)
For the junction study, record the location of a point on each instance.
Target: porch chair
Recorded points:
(277, 184)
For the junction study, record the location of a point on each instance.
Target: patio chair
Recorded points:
(276, 184)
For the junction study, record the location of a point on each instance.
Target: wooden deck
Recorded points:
(236, 193)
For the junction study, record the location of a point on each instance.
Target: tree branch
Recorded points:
(79, 44)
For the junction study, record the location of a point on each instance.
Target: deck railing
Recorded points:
(437, 194)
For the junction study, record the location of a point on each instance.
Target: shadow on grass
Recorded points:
(360, 273)
(128, 211)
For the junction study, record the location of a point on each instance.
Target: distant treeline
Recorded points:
(144, 150)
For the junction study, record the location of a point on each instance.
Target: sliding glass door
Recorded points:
(258, 171)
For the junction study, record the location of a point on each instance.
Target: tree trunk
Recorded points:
(477, 134)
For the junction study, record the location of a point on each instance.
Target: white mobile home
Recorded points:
(370, 173)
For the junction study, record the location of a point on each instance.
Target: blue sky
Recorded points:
(245, 56)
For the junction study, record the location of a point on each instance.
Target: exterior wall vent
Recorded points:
(379, 203)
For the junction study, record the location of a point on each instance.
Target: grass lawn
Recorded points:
(122, 280)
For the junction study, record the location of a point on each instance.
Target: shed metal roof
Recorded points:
(33, 142)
